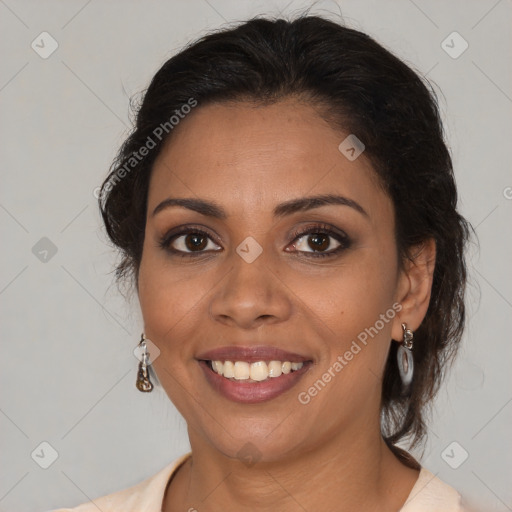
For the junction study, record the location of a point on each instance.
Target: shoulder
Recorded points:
(431, 493)
(146, 496)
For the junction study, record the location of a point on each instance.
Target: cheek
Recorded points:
(354, 308)
(354, 312)
(354, 295)
(167, 300)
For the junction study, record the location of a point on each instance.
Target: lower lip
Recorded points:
(252, 392)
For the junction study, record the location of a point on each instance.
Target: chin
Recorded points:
(255, 441)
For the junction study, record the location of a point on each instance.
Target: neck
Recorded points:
(354, 472)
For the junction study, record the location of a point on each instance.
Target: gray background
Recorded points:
(68, 371)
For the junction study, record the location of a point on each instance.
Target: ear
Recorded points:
(415, 287)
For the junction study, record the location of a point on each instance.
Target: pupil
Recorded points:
(193, 241)
(317, 241)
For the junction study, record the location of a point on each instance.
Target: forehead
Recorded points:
(249, 157)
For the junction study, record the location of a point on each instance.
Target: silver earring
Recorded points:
(404, 357)
(143, 383)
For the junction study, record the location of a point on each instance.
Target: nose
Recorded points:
(250, 295)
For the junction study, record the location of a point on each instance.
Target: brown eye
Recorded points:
(188, 241)
(318, 241)
(195, 241)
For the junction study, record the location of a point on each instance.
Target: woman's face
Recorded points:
(250, 287)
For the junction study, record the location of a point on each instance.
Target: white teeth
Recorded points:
(258, 371)
(229, 370)
(242, 370)
(274, 368)
(218, 367)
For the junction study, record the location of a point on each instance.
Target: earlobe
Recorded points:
(415, 287)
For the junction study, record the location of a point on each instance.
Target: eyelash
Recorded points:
(342, 238)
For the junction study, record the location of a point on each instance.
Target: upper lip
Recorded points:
(251, 354)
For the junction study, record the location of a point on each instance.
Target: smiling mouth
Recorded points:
(252, 372)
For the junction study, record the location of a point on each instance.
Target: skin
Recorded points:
(248, 159)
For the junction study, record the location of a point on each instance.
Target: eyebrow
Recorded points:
(213, 209)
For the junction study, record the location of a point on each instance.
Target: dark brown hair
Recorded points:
(360, 87)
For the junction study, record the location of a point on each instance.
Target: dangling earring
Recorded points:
(404, 357)
(143, 383)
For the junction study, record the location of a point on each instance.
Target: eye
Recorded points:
(316, 240)
(319, 240)
(187, 241)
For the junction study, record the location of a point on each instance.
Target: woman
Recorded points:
(286, 209)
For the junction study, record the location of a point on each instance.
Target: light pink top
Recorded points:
(428, 494)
